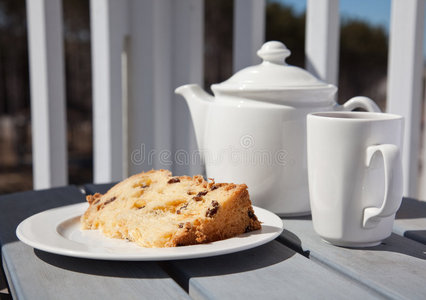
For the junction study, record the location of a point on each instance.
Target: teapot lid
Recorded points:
(273, 74)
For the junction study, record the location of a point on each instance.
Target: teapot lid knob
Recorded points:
(274, 52)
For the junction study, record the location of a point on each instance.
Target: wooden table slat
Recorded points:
(97, 188)
(396, 268)
(271, 271)
(272, 253)
(411, 220)
(14, 208)
(34, 274)
(41, 275)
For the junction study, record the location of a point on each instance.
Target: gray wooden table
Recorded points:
(298, 265)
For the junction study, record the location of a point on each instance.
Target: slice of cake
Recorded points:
(155, 209)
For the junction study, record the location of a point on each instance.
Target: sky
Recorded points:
(376, 12)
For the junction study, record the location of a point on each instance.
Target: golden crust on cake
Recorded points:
(155, 209)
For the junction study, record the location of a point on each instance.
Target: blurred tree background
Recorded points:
(363, 51)
(15, 115)
(363, 66)
(363, 48)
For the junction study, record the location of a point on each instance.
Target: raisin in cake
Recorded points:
(155, 209)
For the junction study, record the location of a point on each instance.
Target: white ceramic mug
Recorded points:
(355, 175)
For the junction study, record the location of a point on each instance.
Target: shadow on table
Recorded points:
(398, 244)
(257, 258)
(291, 240)
(252, 259)
(5, 296)
(102, 188)
(3, 286)
(407, 245)
(121, 269)
(417, 235)
(14, 208)
(411, 209)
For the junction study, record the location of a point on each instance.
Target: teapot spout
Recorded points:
(198, 102)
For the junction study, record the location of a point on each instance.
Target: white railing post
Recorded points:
(48, 117)
(422, 176)
(188, 58)
(405, 81)
(108, 29)
(249, 32)
(166, 50)
(140, 86)
(162, 72)
(322, 39)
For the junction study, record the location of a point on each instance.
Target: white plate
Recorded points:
(58, 231)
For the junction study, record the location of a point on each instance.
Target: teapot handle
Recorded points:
(359, 102)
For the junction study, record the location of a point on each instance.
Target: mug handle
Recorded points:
(360, 102)
(393, 184)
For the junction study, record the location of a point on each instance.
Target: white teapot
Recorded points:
(254, 130)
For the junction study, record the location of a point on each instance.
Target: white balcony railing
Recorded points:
(142, 50)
